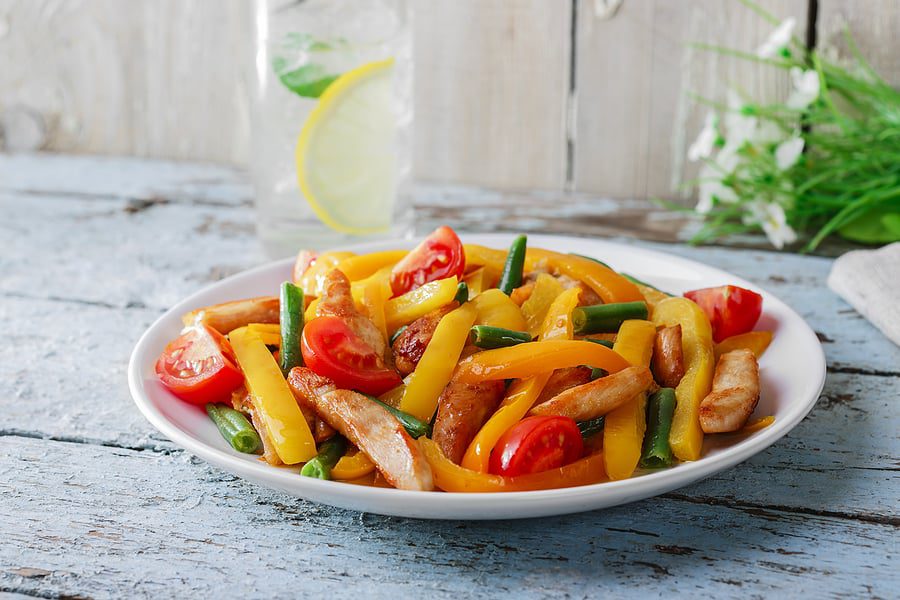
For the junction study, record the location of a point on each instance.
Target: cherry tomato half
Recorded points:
(333, 350)
(536, 444)
(200, 367)
(731, 309)
(305, 259)
(440, 255)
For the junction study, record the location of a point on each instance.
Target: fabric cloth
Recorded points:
(869, 280)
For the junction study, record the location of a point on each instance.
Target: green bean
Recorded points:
(511, 277)
(235, 428)
(485, 336)
(606, 318)
(462, 293)
(291, 326)
(591, 258)
(330, 452)
(606, 343)
(597, 373)
(656, 452)
(397, 334)
(637, 281)
(591, 427)
(414, 427)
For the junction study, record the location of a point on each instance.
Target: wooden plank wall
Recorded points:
(510, 94)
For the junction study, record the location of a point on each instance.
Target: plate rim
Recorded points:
(535, 503)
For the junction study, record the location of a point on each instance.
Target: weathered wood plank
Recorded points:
(635, 70)
(492, 92)
(874, 25)
(140, 524)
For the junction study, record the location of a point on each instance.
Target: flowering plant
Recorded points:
(826, 160)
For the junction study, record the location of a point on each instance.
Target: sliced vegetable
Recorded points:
(235, 428)
(451, 477)
(397, 333)
(624, 428)
(560, 318)
(686, 437)
(481, 279)
(591, 427)
(291, 327)
(754, 341)
(494, 308)
(436, 366)
(536, 444)
(357, 268)
(462, 292)
(757, 424)
(609, 285)
(656, 452)
(272, 399)
(511, 276)
(353, 465)
(485, 336)
(546, 289)
(331, 349)
(376, 291)
(312, 281)
(527, 359)
(330, 452)
(199, 367)
(439, 256)
(607, 343)
(731, 310)
(416, 428)
(305, 259)
(598, 373)
(607, 318)
(643, 284)
(405, 309)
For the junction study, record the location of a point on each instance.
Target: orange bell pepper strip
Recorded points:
(531, 358)
(623, 430)
(352, 466)
(757, 425)
(523, 394)
(451, 477)
(366, 265)
(754, 341)
(686, 436)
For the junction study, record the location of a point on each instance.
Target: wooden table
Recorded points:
(95, 503)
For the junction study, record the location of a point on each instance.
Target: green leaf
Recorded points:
(310, 79)
(879, 226)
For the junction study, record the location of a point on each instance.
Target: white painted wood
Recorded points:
(634, 73)
(875, 25)
(492, 87)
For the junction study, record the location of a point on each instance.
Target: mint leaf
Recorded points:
(310, 80)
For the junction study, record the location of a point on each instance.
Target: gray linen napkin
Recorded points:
(869, 280)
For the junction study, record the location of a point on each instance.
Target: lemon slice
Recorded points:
(345, 154)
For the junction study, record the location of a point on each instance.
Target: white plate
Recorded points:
(792, 371)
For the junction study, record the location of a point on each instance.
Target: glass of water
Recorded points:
(332, 122)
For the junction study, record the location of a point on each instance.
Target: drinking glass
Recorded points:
(332, 122)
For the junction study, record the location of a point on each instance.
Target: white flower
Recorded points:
(787, 153)
(806, 88)
(706, 140)
(778, 40)
(770, 216)
(712, 189)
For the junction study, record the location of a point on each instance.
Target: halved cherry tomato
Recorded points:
(333, 350)
(305, 259)
(200, 367)
(731, 310)
(439, 256)
(536, 444)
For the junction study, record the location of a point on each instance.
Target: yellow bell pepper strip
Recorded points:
(405, 309)
(623, 432)
(269, 333)
(525, 360)
(313, 281)
(436, 366)
(370, 296)
(686, 436)
(310, 313)
(451, 477)
(272, 399)
(609, 285)
(497, 310)
(481, 256)
(353, 465)
(524, 393)
(754, 341)
(757, 425)
(546, 289)
(481, 279)
(360, 267)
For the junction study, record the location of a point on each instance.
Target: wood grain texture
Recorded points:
(95, 503)
(162, 78)
(634, 76)
(875, 25)
(492, 88)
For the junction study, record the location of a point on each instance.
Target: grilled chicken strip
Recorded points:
(591, 400)
(668, 357)
(410, 345)
(734, 395)
(462, 409)
(368, 425)
(337, 301)
(228, 316)
(563, 379)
